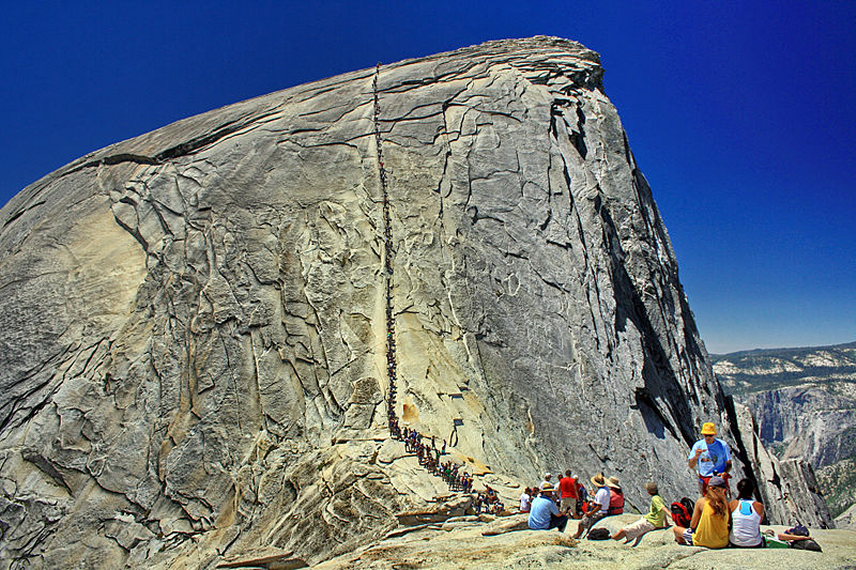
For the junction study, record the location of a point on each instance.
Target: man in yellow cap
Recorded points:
(710, 456)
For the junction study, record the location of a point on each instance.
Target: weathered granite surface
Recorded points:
(192, 336)
(466, 543)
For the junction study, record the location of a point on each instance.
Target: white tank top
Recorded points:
(745, 525)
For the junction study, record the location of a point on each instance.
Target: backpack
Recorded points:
(616, 502)
(682, 515)
(806, 545)
(599, 533)
(799, 530)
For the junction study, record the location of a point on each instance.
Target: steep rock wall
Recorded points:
(194, 343)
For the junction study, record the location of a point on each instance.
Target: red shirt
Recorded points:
(568, 486)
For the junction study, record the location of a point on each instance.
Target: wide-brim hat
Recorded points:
(548, 488)
(708, 429)
(598, 480)
(613, 482)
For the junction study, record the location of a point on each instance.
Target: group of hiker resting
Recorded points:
(717, 519)
(545, 513)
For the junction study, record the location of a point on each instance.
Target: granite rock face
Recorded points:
(789, 487)
(193, 331)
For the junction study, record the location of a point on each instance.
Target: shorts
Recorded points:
(638, 528)
(688, 536)
(589, 521)
(568, 504)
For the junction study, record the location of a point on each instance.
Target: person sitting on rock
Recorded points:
(711, 457)
(600, 507)
(709, 525)
(526, 500)
(746, 517)
(656, 517)
(616, 497)
(547, 481)
(545, 514)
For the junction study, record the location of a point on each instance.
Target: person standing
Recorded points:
(569, 494)
(710, 457)
(548, 480)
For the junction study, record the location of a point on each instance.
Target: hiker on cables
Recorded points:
(711, 457)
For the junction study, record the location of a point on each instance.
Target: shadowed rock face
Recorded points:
(193, 329)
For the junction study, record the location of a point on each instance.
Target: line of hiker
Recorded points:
(429, 456)
(715, 520)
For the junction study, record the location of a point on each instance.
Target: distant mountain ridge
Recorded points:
(796, 350)
(766, 368)
(804, 402)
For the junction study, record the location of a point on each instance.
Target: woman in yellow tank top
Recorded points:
(709, 526)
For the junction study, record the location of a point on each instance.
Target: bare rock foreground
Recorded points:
(195, 327)
(463, 544)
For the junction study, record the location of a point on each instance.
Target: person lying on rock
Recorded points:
(655, 519)
(709, 525)
(545, 514)
(600, 508)
(711, 457)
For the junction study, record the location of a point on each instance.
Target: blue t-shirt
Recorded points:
(714, 458)
(539, 516)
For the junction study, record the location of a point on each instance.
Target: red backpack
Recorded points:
(616, 502)
(682, 512)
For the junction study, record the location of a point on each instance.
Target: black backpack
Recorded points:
(807, 544)
(599, 533)
(801, 530)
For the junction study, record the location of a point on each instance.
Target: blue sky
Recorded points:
(741, 115)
